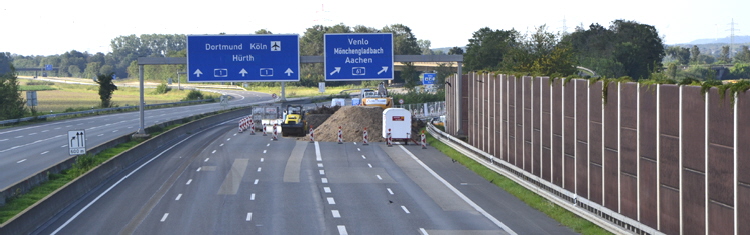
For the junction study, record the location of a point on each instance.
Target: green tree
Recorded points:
(424, 45)
(263, 31)
(743, 55)
(695, 52)
(11, 102)
(487, 48)
(456, 51)
(740, 71)
(74, 71)
(724, 55)
(106, 88)
(92, 69)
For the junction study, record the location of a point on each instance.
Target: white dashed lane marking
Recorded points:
(164, 218)
(249, 216)
(21, 161)
(405, 210)
(390, 191)
(335, 214)
(189, 181)
(178, 197)
(45, 152)
(330, 201)
(327, 189)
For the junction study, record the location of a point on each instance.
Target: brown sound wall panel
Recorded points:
(669, 161)
(628, 151)
(464, 105)
(570, 138)
(720, 148)
(512, 120)
(611, 124)
(497, 104)
(743, 206)
(721, 119)
(648, 122)
(670, 210)
(693, 129)
(721, 174)
(669, 110)
(570, 173)
(720, 219)
(629, 105)
(610, 180)
(596, 102)
(582, 170)
(536, 140)
(546, 131)
(629, 196)
(743, 136)
(519, 123)
(557, 161)
(504, 153)
(694, 202)
(648, 187)
(527, 140)
(557, 144)
(595, 143)
(595, 183)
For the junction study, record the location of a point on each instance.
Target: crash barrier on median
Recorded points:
(39, 213)
(94, 111)
(601, 216)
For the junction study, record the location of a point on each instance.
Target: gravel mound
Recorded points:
(352, 120)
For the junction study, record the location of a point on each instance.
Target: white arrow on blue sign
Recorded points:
(358, 56)
(243, 58)
(429, 78)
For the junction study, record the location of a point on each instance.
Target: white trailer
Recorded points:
(398, 120)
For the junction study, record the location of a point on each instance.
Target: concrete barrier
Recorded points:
(39, 213)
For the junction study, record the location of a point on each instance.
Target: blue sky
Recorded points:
(53, 27)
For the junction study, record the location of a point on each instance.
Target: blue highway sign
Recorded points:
(429, 79)
(243, 58)
(358, 56)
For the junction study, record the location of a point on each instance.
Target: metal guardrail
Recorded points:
(600, 215)
(12, 121)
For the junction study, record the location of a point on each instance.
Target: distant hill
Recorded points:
(727, 40)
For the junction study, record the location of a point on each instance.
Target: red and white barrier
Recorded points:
(252, 127)
(312, 134)
(275, 133)
(424, 141)
(264, 130)
(388, 139)
(341, 137)
(364, 137)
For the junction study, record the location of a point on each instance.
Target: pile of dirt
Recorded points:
(352, 120)
(316, 120)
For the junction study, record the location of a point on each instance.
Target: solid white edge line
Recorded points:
(461, 195)
(116, 183)
(317, 152)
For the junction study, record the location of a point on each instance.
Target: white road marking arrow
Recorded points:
(289, 72)
(198, 73)
(337, 69)
(385, 69)
(243, 72)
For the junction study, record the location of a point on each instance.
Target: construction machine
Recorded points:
(294, 123)
(370, 97)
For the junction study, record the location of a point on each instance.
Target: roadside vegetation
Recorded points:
(561, 215)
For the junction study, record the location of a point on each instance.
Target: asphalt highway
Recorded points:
(218, 181)
(28, 149)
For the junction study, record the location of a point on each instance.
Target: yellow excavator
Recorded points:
(294, 123)
(370, 97)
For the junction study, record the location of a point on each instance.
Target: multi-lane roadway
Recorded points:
(218, 181)
(28, 149)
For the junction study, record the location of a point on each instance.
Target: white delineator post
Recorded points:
(389, 140)
(274, 132)
(312, 134)
(424, 141)
(341, 138)
(364, 137)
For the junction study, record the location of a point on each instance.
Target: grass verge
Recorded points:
(561, 215)
(83, 164)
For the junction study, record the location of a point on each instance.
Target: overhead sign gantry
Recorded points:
(358, 56)
(243, 58)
